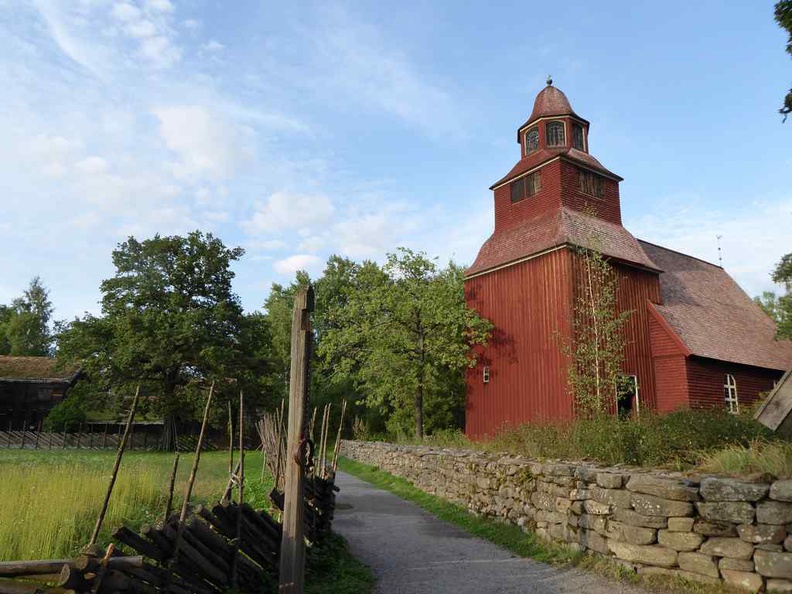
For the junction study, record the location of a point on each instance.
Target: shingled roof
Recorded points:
(712, 315)
(557, 228)
(35, 369)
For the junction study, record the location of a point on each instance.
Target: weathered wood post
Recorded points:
(292, 561)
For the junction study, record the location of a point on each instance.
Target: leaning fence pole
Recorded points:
(337, 447)
(169, 505)
(241, 496)
(116, 466)
(292, 560)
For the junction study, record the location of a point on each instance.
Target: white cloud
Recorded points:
(92, 165)
(753, 239)
(205, 142)
(141, 29)
(191, 24)
(160, 52)
(125, 12)
(71, 43)
(159, 6)
(266, 244)
(307, 262)
(312, 244)
(286, 210)
(213, 46)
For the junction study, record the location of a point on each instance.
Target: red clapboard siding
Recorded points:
(706, 378)
(670, 369)
(529, 305)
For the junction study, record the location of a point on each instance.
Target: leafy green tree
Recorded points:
(596, 349)
(401, 332)
(783, 310)
(170, 322)
(25, 324)
(783, 16)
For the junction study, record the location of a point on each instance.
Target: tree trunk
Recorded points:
(419, 394)
(169, 434)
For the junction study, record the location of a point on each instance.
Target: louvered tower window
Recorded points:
(577, 137)
(555, 134)
(591, 183)
(525, 187)
(730, 394)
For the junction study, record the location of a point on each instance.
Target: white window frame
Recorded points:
(730, 395)
(485, 374)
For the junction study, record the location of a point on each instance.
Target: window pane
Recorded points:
(534, 182)
(555, 134)
(531, 140)
(577, 137)
(591, 183)
(518, 189)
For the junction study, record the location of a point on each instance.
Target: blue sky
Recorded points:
(301, 129)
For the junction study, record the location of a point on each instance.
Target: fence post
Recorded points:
(292, 561)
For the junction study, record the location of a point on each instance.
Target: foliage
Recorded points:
(783, 16)
(25, 324)
(171, 323)
(67, 415)
(678, 439)
(782, 274)
(596, 350)
(758, 457)
(404, 333)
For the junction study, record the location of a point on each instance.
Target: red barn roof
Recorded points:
(562, 227)
(712, 315)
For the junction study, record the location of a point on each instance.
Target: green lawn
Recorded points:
(49, 501)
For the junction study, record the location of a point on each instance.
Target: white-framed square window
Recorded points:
(730, 394)
(485, 375)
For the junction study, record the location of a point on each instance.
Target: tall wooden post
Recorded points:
(292, 561)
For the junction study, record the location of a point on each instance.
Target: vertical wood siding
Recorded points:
(706, 378)
(529, 305)
(670, 370)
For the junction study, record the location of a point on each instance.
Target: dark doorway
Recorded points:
(626, 395)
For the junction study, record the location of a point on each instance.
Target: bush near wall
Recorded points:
(702, 528)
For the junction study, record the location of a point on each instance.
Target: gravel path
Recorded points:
(412, 552)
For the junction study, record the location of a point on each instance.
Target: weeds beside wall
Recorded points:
(705, 529)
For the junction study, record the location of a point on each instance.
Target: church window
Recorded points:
(578, 140)
(591, 183)
(531, 140)
(555, 134)
(730, 394)
(526, 186)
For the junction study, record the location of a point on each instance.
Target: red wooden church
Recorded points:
(694, 338)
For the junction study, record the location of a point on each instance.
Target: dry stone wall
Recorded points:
(706, 529)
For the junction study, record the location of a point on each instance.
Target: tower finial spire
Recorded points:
(549, 80)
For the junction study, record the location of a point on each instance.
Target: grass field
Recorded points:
(49, 502)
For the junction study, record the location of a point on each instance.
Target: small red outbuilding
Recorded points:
(694, 338)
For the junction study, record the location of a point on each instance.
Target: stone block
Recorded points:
(727, 511)
(617, 497)
(576, 507)
(749, 582)
(697, 577)
(736, 564)
(727, 489)
(596, 508)
(579, 494)
(762, 533)
(714, 528)
(631, 534)
(586, 473)
(779, 586)
(772, 564)
(650, 505)
(632, 517)
(592, 522)
(610, 480)
(774, 512)
(781, 490)
(680, 524)
(647, 554)
(728, 547)
(664, 488)
(562, 505)
(698, 563)
(788, 543)
(680, 541)
(771, 547)
(594, 541)
(544, 501)
(551, 517)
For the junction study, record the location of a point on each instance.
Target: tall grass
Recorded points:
(680, 439)
(49, 501)
(759, 457)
